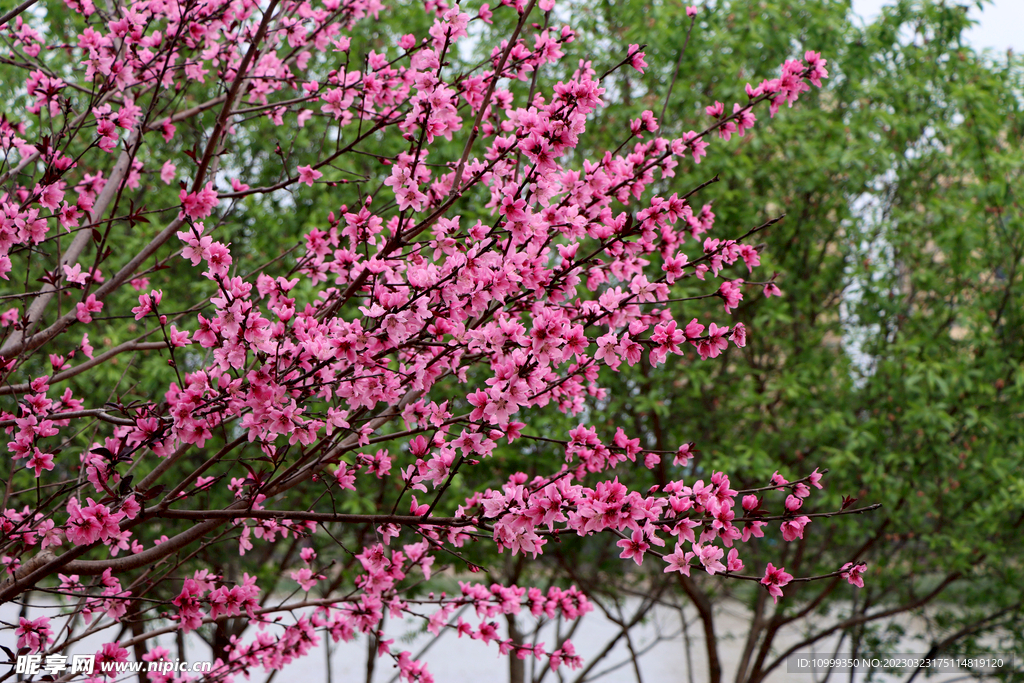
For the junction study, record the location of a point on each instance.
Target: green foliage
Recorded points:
(894, 357)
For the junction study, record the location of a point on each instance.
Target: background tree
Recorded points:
(891, 356)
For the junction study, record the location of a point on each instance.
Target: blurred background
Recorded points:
(998, 24)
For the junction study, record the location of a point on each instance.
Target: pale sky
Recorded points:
(1001, 24)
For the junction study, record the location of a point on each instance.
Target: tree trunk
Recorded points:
(138, 630)
(516, 666)
(703, 605)
(222, 639)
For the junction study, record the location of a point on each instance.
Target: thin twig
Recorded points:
(675, 72)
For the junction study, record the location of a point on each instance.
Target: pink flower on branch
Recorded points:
(86, 308)
(710, 556)
(794, 529)
(34, 634)
(679, 561)
(40, 461)
(853, 573)
(634, 547)
(308, 175)
(198, 204)
(774, 580)
(636, 58)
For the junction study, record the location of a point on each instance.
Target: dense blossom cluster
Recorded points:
(573, 271)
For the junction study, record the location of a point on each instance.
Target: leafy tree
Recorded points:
(893, 356)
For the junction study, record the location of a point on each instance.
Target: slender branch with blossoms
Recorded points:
(500, 274)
